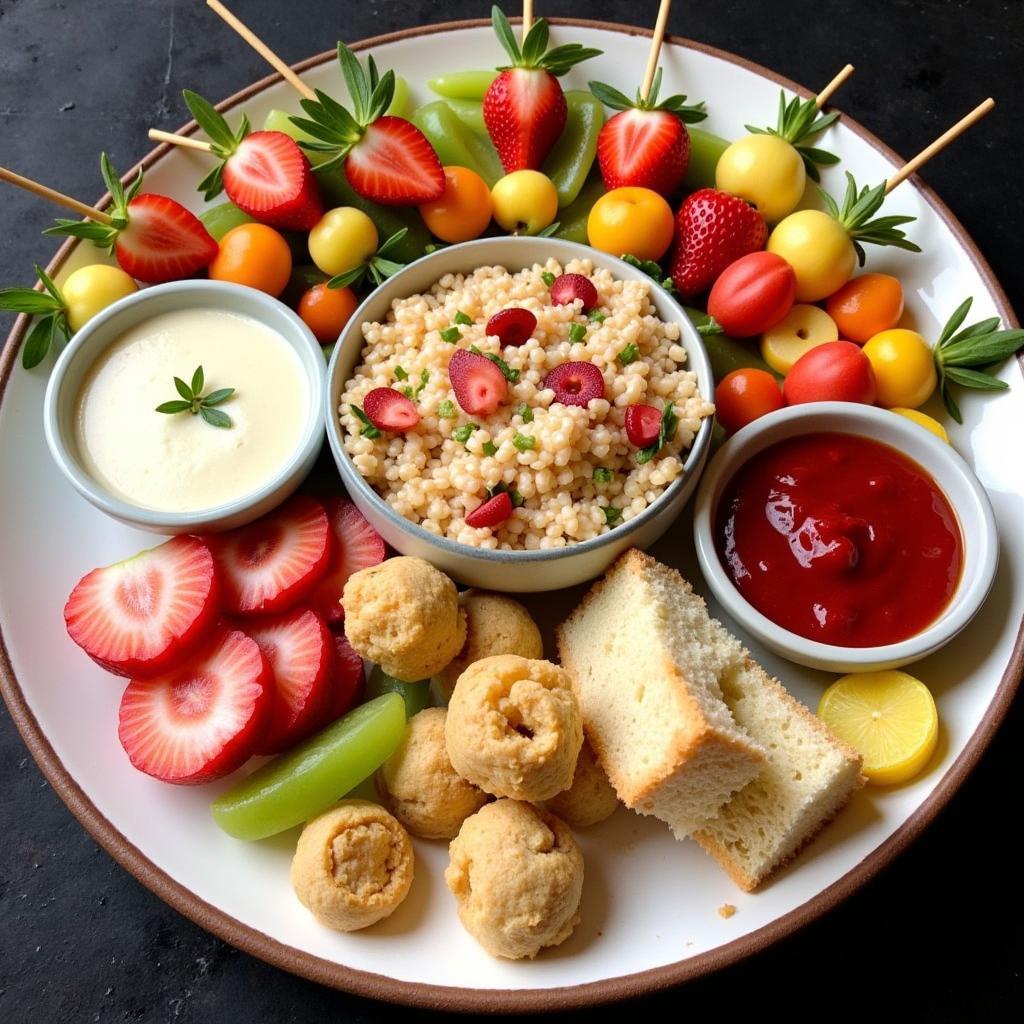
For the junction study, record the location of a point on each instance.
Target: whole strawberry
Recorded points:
(524, 107)
(713, 229)
(646, 145)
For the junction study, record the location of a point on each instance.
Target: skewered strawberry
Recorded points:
(264, 174)
(646, 145)
(386, 159)
(524, 107)
(154, 238)
(713, 229)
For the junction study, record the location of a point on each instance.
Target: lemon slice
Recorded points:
(889, 717)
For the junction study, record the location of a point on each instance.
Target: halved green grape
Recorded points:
(705, 149)
(462, 85)
(572, 221)
(455, 144)
(725, 353)
(572, 156)
(400, 105)
(471, 114)
(416, 695)
(220, 219)
(338, 192)
(298, 785)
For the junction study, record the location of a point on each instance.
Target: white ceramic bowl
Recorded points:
(84, 348)
(518, 571)
(950, 472)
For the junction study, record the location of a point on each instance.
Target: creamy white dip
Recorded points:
(179, 463)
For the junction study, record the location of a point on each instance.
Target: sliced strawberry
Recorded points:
(138, 617)
(355, 545)
(393, 164)
(492, 512)
(575, 383)
(643, 425)
(513, 326)
(566, 288)
(271, 179)
(479, 386)
(713, 229)
(204, 718)
(272, 564)
(300, 651)
(163, 241)
(348, 679)
(388, 409)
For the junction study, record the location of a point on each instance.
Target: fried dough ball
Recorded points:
(514, 727)
(420, 786)
(353, 865)
(517, 876)
(590, 798)
(404, 615)
(495, 624)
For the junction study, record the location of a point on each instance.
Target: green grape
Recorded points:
(572, 156)
(454, 143)
(462, 85)
(399, 106)
(416, 695)
(726, 354)
(705, 149)
(471, 114)
(573, 219)
(220, 219)
(298, 785)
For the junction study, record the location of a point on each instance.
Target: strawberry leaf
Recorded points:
(212, 122)
(356, 81)
(503, 30)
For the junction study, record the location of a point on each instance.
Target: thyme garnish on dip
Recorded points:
(193, 401)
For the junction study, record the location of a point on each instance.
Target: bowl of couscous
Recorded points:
(519, 411)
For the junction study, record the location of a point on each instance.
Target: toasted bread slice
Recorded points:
(646, 663)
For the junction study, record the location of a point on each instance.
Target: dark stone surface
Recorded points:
(936, 937)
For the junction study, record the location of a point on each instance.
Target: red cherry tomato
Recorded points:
(837, 371)
(745, 395)
(753, 294)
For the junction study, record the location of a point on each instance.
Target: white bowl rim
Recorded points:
(207, 292)
(979, 537)
(697, 360)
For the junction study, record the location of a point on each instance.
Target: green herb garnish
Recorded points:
(400, 374)
(651, 269)
(597, 316)
(424, 377)
(629, 354)
(49, 308)
(612, 515)
(547, 277)
(377, 267)
(855, 215)
(461, 318)
(446, 410)
(369, 430)
(577, 333)
(503, 488)
(451, 335)
(489, 448)
(523, 442)
(603, 475)
(798, 120)
(461, 434)
(667, 430)
(512, 376)
(960, 353)
(195, 402)
(525, 413)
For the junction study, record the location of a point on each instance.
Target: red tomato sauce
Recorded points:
(840, 539)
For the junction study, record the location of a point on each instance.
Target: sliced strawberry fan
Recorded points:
(387, 159)
(154, 238)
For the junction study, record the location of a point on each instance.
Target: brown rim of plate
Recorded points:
(472, 1000)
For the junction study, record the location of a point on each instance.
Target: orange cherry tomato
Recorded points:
(254, 255)
(464, 209)
(866, 305)
(325, 311)
(745, 395)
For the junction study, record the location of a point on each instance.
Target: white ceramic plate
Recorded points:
(650, 904)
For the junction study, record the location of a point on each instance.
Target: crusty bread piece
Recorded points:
(645, 662)
(810, 774)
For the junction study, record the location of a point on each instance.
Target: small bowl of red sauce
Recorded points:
(844, 537)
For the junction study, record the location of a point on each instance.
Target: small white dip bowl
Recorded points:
(75, 362)
(512, 571)
(949, 471)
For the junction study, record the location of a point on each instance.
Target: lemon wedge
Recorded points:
(922, 419)
(889, 717)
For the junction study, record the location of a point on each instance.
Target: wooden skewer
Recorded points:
(179, 140)
(825, 95)
(54, 196)
(656, 40)
(527, 17)
(263, 50)
(939, 144)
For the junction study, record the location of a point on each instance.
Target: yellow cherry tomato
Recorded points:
(342, 239)
(818, 249)
(464, 209)
(255, 255)
(764, 170)
(904, 368)
(922, 419)
(91, 289)
(525, 202)
(631, 220)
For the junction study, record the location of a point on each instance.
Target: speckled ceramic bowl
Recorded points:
(511, 571)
